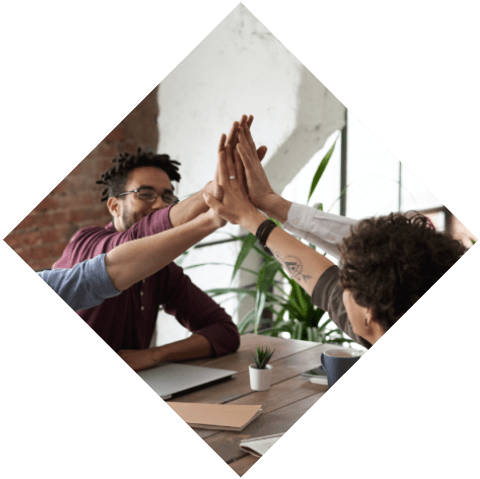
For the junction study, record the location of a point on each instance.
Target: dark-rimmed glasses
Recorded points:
(150, 196)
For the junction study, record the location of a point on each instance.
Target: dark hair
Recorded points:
(389, 262)
(116, 176)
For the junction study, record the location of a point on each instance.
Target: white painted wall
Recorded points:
(240, 68)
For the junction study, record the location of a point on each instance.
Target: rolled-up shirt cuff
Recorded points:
(324, 230)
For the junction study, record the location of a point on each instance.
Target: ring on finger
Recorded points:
(232, 177)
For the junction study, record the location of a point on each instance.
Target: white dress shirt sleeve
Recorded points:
(324, 230)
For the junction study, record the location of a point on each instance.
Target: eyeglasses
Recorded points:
(151, 196)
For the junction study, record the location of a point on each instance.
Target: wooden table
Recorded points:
(289, 397)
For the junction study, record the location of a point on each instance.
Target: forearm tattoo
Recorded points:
(293, 265)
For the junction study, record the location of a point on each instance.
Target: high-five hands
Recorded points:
(235, 206)
(239, 158)
(233, 139)
(213, 188)
(259, 189)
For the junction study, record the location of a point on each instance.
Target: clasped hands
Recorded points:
(240, 185)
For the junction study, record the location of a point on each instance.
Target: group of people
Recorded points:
(118, 276)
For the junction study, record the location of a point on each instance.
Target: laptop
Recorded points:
(174, 378)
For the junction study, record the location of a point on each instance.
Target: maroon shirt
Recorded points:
(128, 320)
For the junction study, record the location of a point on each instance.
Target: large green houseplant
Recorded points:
(290, 306)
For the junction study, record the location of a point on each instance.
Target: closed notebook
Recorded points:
(319, 380)
(226, 417)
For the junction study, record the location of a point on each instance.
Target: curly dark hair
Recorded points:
(115, 178)
(389, 262)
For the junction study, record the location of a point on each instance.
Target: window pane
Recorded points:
(328, 188)
(414, 195)
(372, 174)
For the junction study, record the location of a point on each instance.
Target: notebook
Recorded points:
(225, 417)
(258, 446)
(174, 378)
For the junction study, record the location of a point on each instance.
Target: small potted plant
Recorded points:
(261, 371)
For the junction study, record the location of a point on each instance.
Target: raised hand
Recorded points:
(232, 138)
(235, 206)
(259, 189)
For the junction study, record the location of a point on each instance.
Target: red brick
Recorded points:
(75, 202)
(80, 215)
(47, 219)
(102, 152)
(117, 134)
(38, 253)
(58, 217)
(83, 168)
(37, 238)
(13, 240)
(101, 219)
(40, 265)
(28, 222)
(83, 199)
(62, 188)
(50, 202)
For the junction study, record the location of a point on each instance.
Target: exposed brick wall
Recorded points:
(41, 236)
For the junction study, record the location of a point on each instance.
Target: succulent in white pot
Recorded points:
(261, 371)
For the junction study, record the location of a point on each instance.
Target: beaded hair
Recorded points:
(115, 178)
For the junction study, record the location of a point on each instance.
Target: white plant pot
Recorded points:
(260, 378)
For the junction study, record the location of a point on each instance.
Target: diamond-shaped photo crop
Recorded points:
(304, 240)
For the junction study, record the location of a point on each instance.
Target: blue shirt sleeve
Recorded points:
(84, 286)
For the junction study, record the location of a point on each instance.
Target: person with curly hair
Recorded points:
(140, 197)
(386, 263)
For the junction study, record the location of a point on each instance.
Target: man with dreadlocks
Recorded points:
(141, 200)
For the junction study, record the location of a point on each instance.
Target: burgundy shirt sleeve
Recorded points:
(197, 312)
(92, 241)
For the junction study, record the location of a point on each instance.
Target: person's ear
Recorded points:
(113, 205)
(368, 318)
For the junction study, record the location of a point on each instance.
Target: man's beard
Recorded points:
(128, 222)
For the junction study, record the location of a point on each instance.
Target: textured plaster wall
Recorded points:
(240, 68)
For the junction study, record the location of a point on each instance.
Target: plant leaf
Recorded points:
(296, 297)
(267, 275)
(259, 305)
(247, 244)
(220, 264)
(246, 321)
(321, 169)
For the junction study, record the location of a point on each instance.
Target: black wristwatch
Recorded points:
(263, 233)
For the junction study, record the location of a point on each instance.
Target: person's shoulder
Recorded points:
(327, 285)
(92, 230)
(83, 245)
